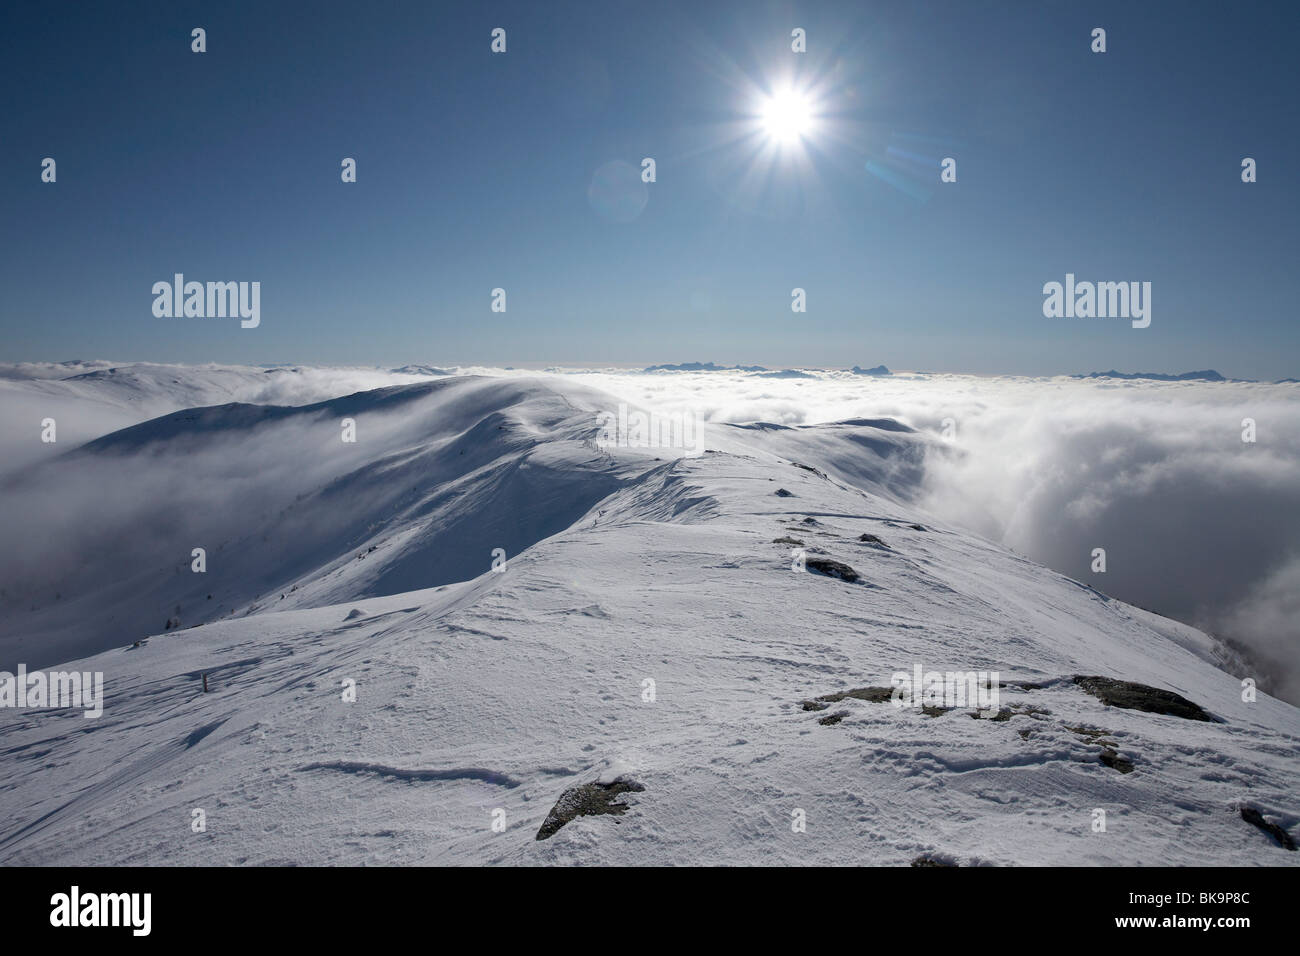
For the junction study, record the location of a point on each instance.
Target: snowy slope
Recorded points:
(441, 473)
(91, 399)
(480, 691)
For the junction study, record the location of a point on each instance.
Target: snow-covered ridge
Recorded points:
(482, 690)
(90, 399)
(282, 505)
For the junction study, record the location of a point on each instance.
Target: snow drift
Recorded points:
(475, 626)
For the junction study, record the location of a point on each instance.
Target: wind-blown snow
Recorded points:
(91, 399)
(479, 690)
(1196, 523)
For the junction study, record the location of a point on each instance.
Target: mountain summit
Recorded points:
(478, 612)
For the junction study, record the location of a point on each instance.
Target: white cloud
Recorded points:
(1196, 523)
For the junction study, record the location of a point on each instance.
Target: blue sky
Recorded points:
(474, 172)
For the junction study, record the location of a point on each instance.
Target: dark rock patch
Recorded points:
(1001, 717)
(1112, 758)
(1131, 696)
(1109, 756)
(787, 541)
(918, 527)
(930, 861)
(833, 569)
(1092, 735)
(1255, 818)
(589, 799)
(834, 718)
(1014, 710)
(873, 695)
(782, 493)
(884, 695)
(873, 539)
(1029, 710)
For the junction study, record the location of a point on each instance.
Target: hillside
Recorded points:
(479, 690)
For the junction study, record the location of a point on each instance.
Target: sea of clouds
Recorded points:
(1197, 524)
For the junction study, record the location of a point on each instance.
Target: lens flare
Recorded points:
(787, 116)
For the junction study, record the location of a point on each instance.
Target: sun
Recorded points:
(786, 116)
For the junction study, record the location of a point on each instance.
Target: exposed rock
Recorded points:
(589, 799)
(1255, 818)
(1092, 735)
(1014, 710)
(1131, 696)
(873, 695)
(873, 539)
(834, 569)
(816, 471)
(1002, 716)
(782, 493)
(1111, 758)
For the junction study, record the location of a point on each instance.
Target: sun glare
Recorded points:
(786, 116)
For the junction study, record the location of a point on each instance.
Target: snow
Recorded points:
(478, 690)
(90, 399)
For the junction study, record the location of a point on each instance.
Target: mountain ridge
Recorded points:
(509, 687)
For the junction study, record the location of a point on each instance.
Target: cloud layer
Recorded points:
(1196, 523)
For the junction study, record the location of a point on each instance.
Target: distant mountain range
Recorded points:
(765, 372)
(1207, 375)
(705, 367)
(420, 370)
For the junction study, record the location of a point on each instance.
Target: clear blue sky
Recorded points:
(474, 172)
